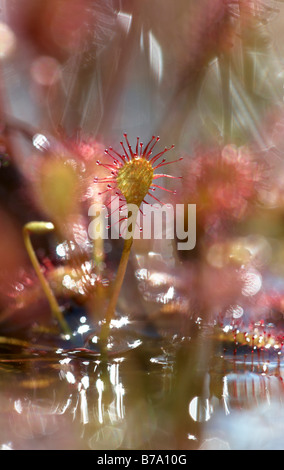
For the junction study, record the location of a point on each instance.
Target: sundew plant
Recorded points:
(142, 241)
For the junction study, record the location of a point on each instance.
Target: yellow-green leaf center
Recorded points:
(134, 180)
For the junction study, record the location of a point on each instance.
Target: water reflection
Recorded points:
(60, 401)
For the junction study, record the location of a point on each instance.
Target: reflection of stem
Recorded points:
(118, 283)
(41, 228)
(225, 71)
(190, 371)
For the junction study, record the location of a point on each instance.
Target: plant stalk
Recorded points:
(118, 280)
(43, 227)
(116, 290)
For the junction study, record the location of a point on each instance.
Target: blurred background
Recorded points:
(196, 350)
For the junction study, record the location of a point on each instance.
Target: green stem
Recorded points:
(119, 278)
(40, 228)
(116, 290)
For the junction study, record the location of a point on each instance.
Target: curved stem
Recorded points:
(41, 228)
